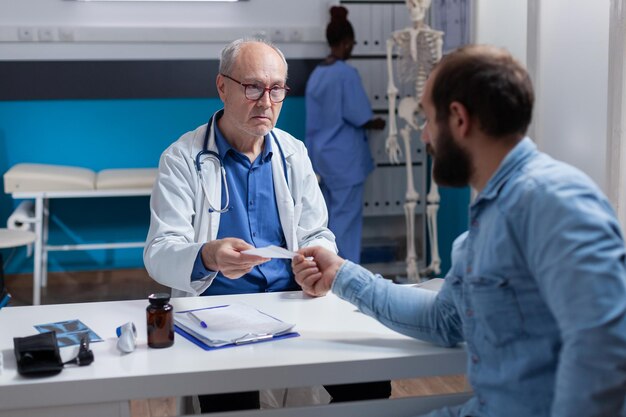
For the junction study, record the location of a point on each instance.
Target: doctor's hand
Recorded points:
(316, 276)
(225, 255)
(375, 124)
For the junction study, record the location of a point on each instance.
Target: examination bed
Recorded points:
(38, 183)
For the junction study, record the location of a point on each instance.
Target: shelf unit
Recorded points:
(384, 231)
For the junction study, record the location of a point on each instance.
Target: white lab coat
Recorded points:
(180, 221)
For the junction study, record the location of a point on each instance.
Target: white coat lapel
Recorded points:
(207, 223)
(284, 199)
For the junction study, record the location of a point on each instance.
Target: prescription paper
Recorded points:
(271, 251)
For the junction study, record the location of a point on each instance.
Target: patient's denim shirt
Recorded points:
(537, 290)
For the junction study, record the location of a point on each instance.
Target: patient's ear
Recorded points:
(459, 121)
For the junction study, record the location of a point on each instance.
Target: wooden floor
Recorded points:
(87, 286)
(132, 284)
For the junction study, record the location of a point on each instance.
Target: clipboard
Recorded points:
(230, 325)
(204, 346)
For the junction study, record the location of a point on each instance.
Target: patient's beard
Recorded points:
(452, 166)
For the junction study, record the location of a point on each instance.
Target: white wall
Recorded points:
(64, 29)
(165, 14)
(502, 23)
(565, 45)
(572, 86)
(616, 120)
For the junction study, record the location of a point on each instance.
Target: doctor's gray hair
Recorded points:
(231, 51)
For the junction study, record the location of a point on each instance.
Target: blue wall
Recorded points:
(100, 134)
(452, 221)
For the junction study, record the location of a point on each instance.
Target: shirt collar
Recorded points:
(520, 153)
(223, 147)
(267, 149)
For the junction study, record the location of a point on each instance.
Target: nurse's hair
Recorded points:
(231, 51)
(495, 89)
(339, 27)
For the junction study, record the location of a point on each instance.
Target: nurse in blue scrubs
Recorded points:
(338, 113)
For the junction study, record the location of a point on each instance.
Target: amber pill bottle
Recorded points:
(160, 321)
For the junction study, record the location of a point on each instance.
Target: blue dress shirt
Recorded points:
(537, 290)
(252, 217)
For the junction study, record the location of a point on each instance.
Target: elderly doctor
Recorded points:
(234, 184)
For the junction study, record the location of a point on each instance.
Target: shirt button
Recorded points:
(474, 359)
(253, 234)
(251, 202)
(469, 312)
(475, 223)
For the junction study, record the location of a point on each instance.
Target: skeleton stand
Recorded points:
(425, 45)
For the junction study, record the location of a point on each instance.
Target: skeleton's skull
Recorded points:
(418, 9)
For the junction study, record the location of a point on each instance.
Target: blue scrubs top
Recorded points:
(336, 109)
(252, 217)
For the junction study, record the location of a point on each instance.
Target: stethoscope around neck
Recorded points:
(208, 154)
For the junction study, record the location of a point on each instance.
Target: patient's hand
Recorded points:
(225, 255)
(316, 276)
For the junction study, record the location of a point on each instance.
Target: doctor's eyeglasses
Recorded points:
(254, 92)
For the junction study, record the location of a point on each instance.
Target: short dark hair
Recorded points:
(494, 88)
(339, 27)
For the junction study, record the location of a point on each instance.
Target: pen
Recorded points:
(196, 319)
(5, 297)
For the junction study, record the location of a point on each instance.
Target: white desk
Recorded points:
(337, 345)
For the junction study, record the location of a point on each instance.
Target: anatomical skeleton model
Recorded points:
(419, 49)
